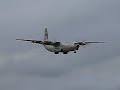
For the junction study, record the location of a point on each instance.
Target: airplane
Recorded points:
(56, 47)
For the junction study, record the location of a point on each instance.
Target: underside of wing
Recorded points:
(33, 41)
(42, 42)
(85, 43)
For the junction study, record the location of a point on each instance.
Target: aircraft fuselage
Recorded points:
(63, 47)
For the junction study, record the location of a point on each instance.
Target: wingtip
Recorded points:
(103, 42)
(19, 39)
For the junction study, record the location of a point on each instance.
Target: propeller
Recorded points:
(85, 44)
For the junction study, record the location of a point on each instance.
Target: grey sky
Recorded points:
(26, 66)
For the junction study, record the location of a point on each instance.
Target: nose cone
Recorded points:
(77, 47)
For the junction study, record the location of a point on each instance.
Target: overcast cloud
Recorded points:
(26, 66)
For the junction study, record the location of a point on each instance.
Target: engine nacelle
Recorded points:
(77, 46)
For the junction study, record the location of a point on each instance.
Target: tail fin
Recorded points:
(46, 34)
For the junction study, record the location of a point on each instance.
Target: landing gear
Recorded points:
(77, 48)
(74, 51)
(65, 52)
(56, 52)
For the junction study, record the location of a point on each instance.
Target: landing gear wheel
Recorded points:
(74, 51)
(77, 48)
(65, 52)
(56, 52)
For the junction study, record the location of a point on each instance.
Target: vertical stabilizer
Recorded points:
(46, 34)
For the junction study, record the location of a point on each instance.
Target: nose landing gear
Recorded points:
(74, 51)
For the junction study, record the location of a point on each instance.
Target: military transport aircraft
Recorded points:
(58, 47)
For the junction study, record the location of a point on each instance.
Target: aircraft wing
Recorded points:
(42, 42)
(33, 41)
(86, 43)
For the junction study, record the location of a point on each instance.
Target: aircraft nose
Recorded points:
(77, 47)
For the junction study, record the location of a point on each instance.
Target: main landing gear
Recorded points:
(74, 51)
(56, 52)
(65, 52)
